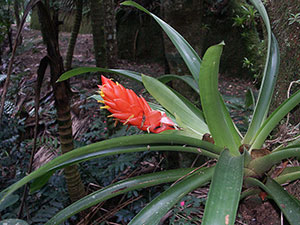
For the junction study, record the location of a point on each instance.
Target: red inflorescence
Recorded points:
(130, 109)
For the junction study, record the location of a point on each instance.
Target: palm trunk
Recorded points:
(74, 34)
(62, 100)
(110, 33)
(17, 16)
(98, 33)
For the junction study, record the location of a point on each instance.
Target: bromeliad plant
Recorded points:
(241, 160)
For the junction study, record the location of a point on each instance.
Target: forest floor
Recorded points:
(252, 211)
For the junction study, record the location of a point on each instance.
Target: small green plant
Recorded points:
(250, 66)
(250, 13)
(294, 18)
(243, 166)
(247, 17)
(247, 63)
(5, 19)
(239, 21)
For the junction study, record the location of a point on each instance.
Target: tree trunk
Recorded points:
(187, 20)
(98, 32)
(17, 17)
(287, 33)
(110, 32)
(186, 17)
(74, 34)
(62, 99)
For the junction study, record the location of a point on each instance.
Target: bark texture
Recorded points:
(186, 18)
(17, 17)
(110, 33)
(74, 34)
(98, 32)
(62, 99)
(288, 36)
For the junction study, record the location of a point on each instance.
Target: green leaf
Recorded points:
(274, 119)
(296, 141)
(39, 183)
(130, 74)
(82, 70)
(266, 91)
(10, 200)
(217, 116)
(235, 131)
(224, 194)
(183, 114)
(121, 150)
(186, 78)
(249, 192)
(289, 174)
(116, 189)
(263, 12)
(191, 106)
(288, 205)
(128, 144)
(157, 208)
(262, 164)
(13, 222)
(189, 55)
(249, 98)
(96, 97)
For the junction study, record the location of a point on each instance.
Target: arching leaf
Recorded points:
(175, 105)
(217, 116)
(188, 54)
(128, 144)
(156, 209)
(116, 189)
(224, 194)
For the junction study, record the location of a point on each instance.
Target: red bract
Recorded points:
(130, 109)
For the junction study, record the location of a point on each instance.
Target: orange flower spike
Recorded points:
(130, 109)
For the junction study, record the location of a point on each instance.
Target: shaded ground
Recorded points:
(33, 49)
(252, 211)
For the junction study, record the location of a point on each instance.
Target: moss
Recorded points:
(248, 22)
(288, 36)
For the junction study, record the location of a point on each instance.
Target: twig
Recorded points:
(91, 214)
(195, 160)
(288, 95)
(111, 213)
(40, 76)
(190, 173)
(165, 217)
